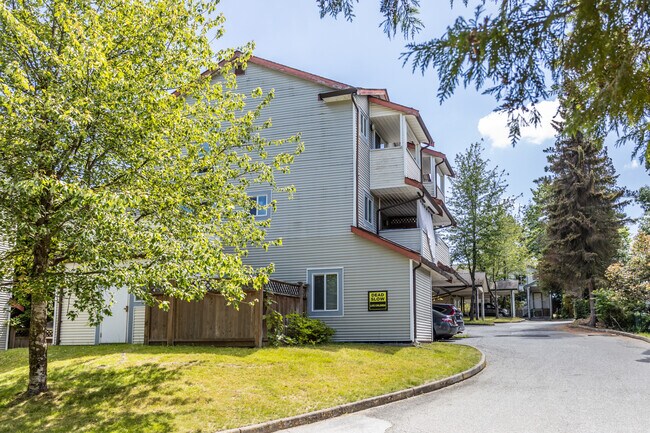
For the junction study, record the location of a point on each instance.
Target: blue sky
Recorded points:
(358, 53)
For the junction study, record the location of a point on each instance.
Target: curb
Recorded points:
(612, 331)
(311, 417)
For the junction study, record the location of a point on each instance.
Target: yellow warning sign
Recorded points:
(378, 301)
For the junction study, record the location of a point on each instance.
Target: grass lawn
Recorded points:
(645, 334)
(135, 388)
(508, 320)
(492, 320)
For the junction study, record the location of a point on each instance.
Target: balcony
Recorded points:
(442, 252)
(389, 167)
(413, 239)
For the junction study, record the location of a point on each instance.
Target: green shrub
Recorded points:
(274, 327)
(301, 329)
(617, 312)
(611, 312)
(567, 310)
(581, 308)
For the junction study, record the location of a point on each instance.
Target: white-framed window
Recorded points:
(364, 124)
(259, 209)
(325, 292)
(368, 208)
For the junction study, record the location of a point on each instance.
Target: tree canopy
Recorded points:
(534, 218)
(109, 179)
(594, 53)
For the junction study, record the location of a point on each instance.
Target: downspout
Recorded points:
(415, 311)
(356, 162)
(421, 164)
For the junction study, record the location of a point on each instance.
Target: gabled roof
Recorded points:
(443, 157)
(298, 73)
(317, 79)
(403, 109)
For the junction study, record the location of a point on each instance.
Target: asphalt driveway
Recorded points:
(540, 378)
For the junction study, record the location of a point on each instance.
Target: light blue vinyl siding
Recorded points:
(315, 225)
(424, 315)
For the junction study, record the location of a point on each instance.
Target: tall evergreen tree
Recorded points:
(524, 51)
(476, 202)
(584, 216)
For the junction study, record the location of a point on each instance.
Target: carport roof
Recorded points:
(461, 284)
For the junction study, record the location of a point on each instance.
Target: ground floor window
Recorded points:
(325, 291)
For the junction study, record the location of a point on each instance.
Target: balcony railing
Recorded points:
(442, 252)
(434, 190)
(389, 167)
(413, 239)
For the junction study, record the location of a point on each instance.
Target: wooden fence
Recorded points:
(212, 322)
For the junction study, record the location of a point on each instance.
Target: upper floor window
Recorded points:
(368, 208)
(260, 209)
(377, 142)
(364, 124)
(326, 291)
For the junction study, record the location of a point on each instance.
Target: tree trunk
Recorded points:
(37, 348)
(592, 303)
(473, 309)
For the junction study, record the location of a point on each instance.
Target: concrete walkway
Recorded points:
(541, 377)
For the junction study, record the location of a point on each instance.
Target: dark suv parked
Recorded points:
(451, 310)
(444, 326)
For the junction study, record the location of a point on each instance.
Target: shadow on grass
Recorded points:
(89, 398)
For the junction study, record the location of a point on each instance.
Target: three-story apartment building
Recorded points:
(361, 227)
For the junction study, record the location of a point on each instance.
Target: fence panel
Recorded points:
(212, 321)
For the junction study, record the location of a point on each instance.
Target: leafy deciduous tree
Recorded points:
(476, 201)
(534, 219)
(106, 179)
(506, 253)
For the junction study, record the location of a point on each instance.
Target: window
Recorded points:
(378, 143)
(326, 292)
(363, 124)
(368, 208)
(261, 200)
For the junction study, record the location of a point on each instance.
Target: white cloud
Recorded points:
(494, 126)
(632, 165)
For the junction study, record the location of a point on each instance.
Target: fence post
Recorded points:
(258, 318)
(303, 298)
(147, 323)
(171, 322)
